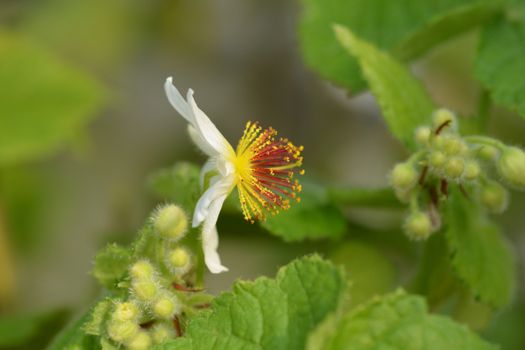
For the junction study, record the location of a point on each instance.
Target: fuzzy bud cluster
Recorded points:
(446, 159)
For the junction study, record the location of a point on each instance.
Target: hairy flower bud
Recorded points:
(488, 153)
(443, 116)
(166, 306)
(454, 168)
(162, 332)
(122, 331)
(178, 261)
(141, 341)
(494, 197)
(472, 170)
(142, 270)
(126, 311)
(145, 291)
(403, 176)
(437, 159)
(511, 166)
(423, 134)
(452, 145)
(170, 222)
(418, 226)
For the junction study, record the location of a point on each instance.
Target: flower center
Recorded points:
(265, 168)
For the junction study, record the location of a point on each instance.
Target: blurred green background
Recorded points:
(84, 121)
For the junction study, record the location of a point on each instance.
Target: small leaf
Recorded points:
(480, 255)
(98, 316)
(179, 184)
(404, 102)
(315, 217)
(268, 313)
(407, 27)
(394, 321)
(500, 65)
(44, 103)
(111, 265)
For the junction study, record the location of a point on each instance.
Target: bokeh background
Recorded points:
(243, 60)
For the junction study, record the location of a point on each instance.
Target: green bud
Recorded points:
(162, 332)
(441, 116)
(141, 341)
(178, 261)
(454, 167)
(122, 331)
(145, 291)
(170, 222)
(418, 226)
(453, 145)
(403, 176)
(437, 159)
(423, 134)
(488, 153)
(166, 306)
(126, 311)
(511, 166)
(494, 197)
(472, 170)
(142, 270)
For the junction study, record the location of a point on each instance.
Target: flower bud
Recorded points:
(403, 176)
(511, 166)
(162, 332)
(472, 170)
(145, 291)
(488, 153)
(178, 261)
(437, 159)
(454, 168)
(418, 226)
(142, 270)
(121, 331)
(141, 341)
(442, 116)
(166, 306)
(452, 145)
(423, 134)
(126, 311)
(170, 222)
(494, 197)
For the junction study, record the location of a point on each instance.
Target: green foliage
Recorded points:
(395, 321)
(111, 265)
(73, 337)
(404, 102)
(268, 314)
(43, 102)
(480, 256)
(407, 27)
(315, 217)
(499, 63)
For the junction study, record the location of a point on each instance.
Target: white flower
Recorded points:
(262, 168)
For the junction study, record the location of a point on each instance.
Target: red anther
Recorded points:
(442, 126)
(423, 175)
(176, 325)
(444, 187)
(186, 289)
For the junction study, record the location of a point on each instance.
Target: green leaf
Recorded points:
(480, 255)
(394, 321)
(268, 313)
(95, 325)
(73, 337)
(407, 27)
(19, 330)
(111, 265)
(404, 102)
(500, 66)
(44, 103)
(179, 184)
(315, 217)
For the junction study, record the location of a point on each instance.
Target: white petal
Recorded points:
(220, 186)
(200, 142)
(210, 165)
(207, 129)
(210, 238)
(177, 101)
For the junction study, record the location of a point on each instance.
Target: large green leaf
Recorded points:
(404, 102)
(315, 217)
(396, 321)
(480, 255)
(407, 27)
(43, 101)
(268, 313)
(500, 65)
